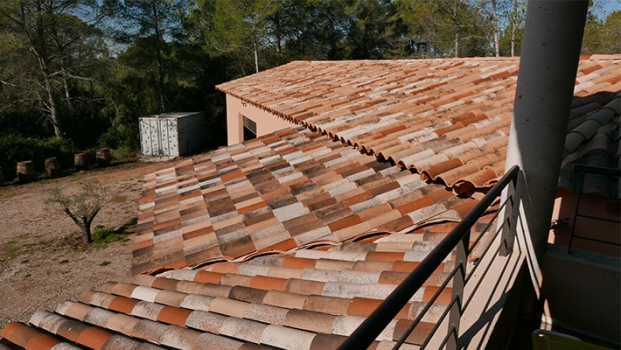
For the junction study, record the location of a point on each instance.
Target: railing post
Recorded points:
(508, 218)
(573, 225)
(459, 281)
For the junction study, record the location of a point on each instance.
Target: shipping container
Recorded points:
(172, 134)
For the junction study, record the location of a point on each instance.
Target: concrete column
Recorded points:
(548, 65)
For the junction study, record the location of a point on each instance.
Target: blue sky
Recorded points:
(611, 5)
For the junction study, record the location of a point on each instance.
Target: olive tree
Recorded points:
(81, 207)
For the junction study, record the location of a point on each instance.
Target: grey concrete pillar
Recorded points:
(548, 65)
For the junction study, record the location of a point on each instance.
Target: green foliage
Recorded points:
(87, 70)
(446, 27)
(49, 58)
(601, 36)
(104, 236)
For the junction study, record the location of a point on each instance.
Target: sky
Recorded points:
(611, 5)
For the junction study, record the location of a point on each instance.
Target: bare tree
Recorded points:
(81, 207)
(517, 15)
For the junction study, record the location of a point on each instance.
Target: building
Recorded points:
(291, 239)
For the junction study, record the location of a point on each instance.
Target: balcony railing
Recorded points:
(457, 240)
(583, 170)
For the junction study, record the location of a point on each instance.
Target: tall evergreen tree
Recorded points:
(49, 52)
(151, 25)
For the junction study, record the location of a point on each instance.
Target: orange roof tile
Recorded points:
(314, 192)
(278, 235)
(403, 118)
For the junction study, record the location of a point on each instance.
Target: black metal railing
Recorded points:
(586, 169)
(458, 239)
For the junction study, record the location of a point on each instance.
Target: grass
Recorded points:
(9, 251)
(69, 236)
(104, 236)
(118, 199)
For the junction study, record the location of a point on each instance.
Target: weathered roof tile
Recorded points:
(291, 239)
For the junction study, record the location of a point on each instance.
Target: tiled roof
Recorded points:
(447, 118)
(593, 140)
(281, 192)
(308, 299)
(279, 242)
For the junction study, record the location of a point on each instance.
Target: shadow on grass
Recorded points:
(102, 236)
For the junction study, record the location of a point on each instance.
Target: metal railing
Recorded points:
(584, 169)
(458, 239)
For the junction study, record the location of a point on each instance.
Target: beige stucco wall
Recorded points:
(581, 290)
(565, 207)
(266, 121)
(581, 293)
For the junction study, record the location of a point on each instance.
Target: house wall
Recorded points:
(266, 121)
(581, 293)
(565, 208)
(581, 289)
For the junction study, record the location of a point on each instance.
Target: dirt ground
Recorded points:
(39, 265)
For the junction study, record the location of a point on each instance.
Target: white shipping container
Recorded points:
(172, 134)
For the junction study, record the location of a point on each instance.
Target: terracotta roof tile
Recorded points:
(482, 84)
(291, 239)
(310, 191)
(594, 140)
(121, 323)
(28, 337)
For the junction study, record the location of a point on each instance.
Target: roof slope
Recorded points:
(292, 240)
(447, 118)
(279, 242)
(281, 192)
(593, 140)
(308, 299)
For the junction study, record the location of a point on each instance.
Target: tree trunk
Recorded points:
(84, 223)
(456, 43)
(513, 41)
(256, 54)
(51, 104)
(496, 29)
(456, 28)
(513, 26)
(160, 58)
(86, 231)
(61, 58)
(278, 50)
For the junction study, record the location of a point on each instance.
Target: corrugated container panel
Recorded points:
(171, 134)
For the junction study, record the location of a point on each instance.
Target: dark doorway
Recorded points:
(250, 129)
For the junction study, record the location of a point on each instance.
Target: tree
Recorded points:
(504, 22)
(372, 31)
(49, 49)
(149, 25)
(82, 207)
(515, 27)
(601, 36)
(240, 31)
(494, 11)
(446, 27)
